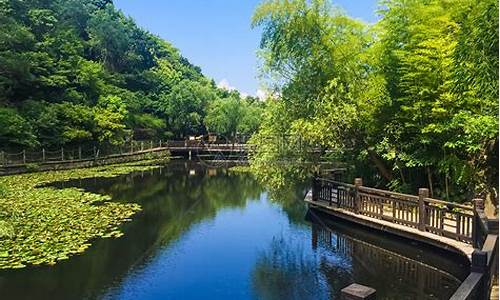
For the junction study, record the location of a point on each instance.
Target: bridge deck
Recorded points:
(393, 228)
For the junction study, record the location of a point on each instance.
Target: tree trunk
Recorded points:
(402, 175)
(381, 166)
(429, 179)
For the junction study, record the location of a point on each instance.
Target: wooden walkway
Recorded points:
(463, 229)
(79, 154)
(393, 228)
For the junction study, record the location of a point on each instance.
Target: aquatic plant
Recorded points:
(41, 224)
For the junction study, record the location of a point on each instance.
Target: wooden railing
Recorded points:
(484, 266)
(78, 153)
(74, 153)
(426, 214)
(464, 223)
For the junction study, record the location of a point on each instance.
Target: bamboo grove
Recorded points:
(410, 101)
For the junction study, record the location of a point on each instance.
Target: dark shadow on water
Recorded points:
(173, 199)
(280, 256)
(344, 253)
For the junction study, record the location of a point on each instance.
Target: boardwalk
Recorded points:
(394, 228)
(76, 154)
(450, 226)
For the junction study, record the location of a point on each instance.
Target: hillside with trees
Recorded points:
(79, 72)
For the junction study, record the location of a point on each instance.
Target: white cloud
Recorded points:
(261, 94)
(224, 84)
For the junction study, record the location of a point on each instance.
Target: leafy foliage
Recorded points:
(81, 72)
(40, 224)
(231, 116)
(410, 101)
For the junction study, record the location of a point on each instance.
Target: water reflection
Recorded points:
(213, 234)
(173, 200)
(342, 255)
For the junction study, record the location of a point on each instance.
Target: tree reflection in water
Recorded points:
(259, 246)
(341, 254)
(286, 271)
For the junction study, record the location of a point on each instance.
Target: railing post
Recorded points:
(478, 205)
(24, 156)
(480, 265)
(142, 145)
(479, 261)
(314, 189)
(358, 182)
(151, 142)
(422, 194)
(62, 154)
(160, 143)
(95, 153)
(43, 154)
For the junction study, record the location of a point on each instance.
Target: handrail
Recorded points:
(399, 195)
(478, 284)
(79, 154)
(420, 212)
(467, 224)
(370, 189)
(449, 204)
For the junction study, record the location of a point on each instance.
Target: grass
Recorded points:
(41, 225)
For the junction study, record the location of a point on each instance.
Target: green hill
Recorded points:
(80, 72)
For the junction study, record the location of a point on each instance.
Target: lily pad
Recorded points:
(40, 224)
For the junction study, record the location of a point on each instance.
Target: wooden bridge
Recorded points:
(78, 154)
(79, 157)
(464, 229)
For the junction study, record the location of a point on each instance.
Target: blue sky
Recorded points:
(216, 34)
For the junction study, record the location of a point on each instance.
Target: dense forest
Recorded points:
(408, 102)
(76, 72)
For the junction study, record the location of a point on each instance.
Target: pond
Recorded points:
(208, 233)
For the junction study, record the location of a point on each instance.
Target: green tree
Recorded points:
(223, 117)
(184, 107)
(82, 72)
(411, 101)
(15, 131)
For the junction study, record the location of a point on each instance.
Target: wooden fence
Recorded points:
(484, 267)
(75, 153)
(464, 223)
(79, 153)
(422, 212)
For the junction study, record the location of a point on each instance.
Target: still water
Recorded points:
(213, 234)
